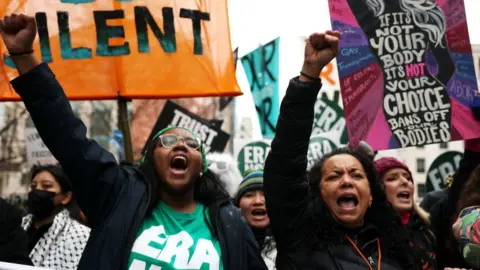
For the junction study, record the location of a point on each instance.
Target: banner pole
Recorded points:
(124, 126)
(232, 125)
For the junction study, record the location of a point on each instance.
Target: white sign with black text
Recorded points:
(37, 151)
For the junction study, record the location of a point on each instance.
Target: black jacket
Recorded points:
(424, 239)
(287, 195)
(433, 198)
(115, 198)
(13, 239)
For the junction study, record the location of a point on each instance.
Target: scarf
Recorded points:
(61, 247)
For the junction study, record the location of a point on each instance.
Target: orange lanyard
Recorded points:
(363, 257)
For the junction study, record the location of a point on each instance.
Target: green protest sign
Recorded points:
(318, 147)
(252, 156)
(441, 167)
(329, 117)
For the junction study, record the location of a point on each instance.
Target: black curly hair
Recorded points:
(393, 237)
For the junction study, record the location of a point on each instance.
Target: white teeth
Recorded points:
(180, 157)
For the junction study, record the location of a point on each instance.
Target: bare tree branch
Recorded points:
(12, 122)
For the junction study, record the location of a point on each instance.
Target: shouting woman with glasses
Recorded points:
(169, 213)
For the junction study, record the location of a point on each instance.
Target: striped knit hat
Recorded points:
(252, 180)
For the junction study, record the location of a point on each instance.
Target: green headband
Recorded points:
(202, 148)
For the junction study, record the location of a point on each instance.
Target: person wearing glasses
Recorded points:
(170, 212)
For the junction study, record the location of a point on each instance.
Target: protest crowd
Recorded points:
(184, 207)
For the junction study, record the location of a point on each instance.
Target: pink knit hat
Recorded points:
(383, 165)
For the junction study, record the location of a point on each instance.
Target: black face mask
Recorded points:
(40, 203)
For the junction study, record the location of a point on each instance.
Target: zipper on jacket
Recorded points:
(221, 237)
(141, 212)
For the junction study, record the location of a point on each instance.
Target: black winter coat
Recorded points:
(286, 194)
(114, 197)
(13, 239)
(433, 198)
(424, 239)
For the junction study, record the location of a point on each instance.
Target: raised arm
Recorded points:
(93, 171)
(285, 184)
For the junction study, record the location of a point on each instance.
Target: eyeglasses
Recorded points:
(218, 165)
(171, 140)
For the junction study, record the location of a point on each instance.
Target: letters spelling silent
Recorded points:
(143, 19)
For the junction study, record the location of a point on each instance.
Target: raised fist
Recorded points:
(18, 32)
(320, 49)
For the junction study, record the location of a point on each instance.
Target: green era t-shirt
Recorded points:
(171, 240)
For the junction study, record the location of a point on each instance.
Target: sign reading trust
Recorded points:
(100, 49)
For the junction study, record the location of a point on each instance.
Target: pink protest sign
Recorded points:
(406, 71)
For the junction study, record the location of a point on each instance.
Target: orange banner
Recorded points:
(100, 49)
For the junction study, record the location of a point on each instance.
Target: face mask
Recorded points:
(40, 203)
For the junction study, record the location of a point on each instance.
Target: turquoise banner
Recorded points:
(261, 67)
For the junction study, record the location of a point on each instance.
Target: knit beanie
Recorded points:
(383, 165)
(252, 180)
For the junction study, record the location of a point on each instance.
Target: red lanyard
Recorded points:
(363, 257)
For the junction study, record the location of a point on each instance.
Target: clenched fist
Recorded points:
(320, 49)
(18, 33)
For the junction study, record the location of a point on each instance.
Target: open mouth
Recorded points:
(179, 163)
(403, 195)
(259, 213)
(347, 201)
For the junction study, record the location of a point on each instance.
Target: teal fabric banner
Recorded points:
(261, 67)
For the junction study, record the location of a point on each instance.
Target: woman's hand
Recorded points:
(320, 49)
(18, 32)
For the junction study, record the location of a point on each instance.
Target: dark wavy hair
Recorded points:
(65, 186)
(470, 193)
(208, 189)
(394, 239)
(445, 212)
(469, 196)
